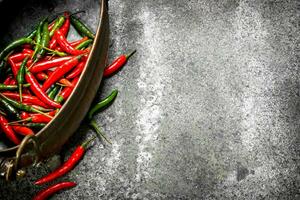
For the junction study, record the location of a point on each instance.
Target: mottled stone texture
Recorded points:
(208, 107)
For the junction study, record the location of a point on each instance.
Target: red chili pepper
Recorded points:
(22, 130)
(66, 26)
(65, 82)
(24, 115)
(7, 80)
(50, 26)
(77, 71)
(27, 99)
(7, 129)
(28, 51)
(117, 64)
(77, 42)
(19, 57)
(44, 194)
(43, 65)
(41, 76)
(65, 45)
(66, 92)
(13, 66)
(68, 165)
(35, 88)
(60, 71)
(13, 82)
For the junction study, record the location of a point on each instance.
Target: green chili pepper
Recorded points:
(20, 76)
(58, 23)
(11, 87)
(44, 41)
(53, 92)
(10, 110)
(23, 107)
(95, 126)
(13, 45)
(81, 27)
(31, 35)
(38, 40)
(34, 125)
(102, 104)
(84, 44)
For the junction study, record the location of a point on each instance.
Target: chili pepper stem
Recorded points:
(40, 112)
(18, 121)
(87, 142)
(98, 131)
(20, 92)
(53, 51)
(130, 54)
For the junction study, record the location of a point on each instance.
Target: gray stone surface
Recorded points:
(208, 107)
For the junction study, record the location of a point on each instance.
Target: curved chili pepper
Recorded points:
(14, 67)
(78, 42)
(29, 99)
(66, 92)
(60, 71)
(27, 51)
(20, 76)
(43, 65)
(22, 130)
(41, 76)
(64, 44)
(44, 42)
(81, 27)
(117, 64)
(44, 194)
(68, 165)
(38, 38)
(10, 134)
(19, 57)
(102, 104)
(11, 87)
(77, 71)
(35, 88)
(65, 28)
(14, 45)
(84, 44)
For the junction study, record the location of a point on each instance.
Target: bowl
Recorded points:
(49, 140)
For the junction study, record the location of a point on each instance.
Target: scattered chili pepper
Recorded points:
(64, 44)
(102, 104)
(35, 88)
(81, 27)
(20, 76)
(44, 194)
(68, 165)
(60, 71)
(117, 64)
(14, 45)
(8, 130)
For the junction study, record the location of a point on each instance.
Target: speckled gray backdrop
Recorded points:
(208, 107)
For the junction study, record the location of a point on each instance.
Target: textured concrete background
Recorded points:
(208, 107)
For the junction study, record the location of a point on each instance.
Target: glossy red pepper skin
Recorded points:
(38, 118)
(19, 57)
(66, 167)
(35, 88)
(22, 130)
(117, 64)
(65, 45)
(44, 65)
(7, 129)
(77, 71)
(66, 92)
(44, 194)
(27, 99)
(66, 26)
(77, 42)
(41, 76)
(14, 67)
(60, 71)
(7, 80)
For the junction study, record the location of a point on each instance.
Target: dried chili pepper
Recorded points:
(102, 104)
(117, 64)
(64, 44)
(68, 165)
(7, 129)
(81, 27)
(20, 76)
(60, 71)
(35, 88)
(44, 194)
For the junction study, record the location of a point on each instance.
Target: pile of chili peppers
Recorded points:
(38, 73)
